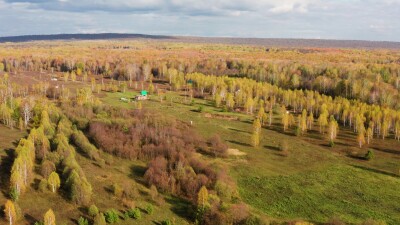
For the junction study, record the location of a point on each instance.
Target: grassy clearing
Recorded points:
(312, 182)
(347, 192)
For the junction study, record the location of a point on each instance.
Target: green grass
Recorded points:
(349, 193)
(313, 182)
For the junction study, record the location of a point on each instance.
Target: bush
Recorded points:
(47, 168)
(99, 219)
(126, 216)
(167, 222)
(217, 146)
(117, 190)
(135, 213)
(42, 185)
(331, 144)
(283, 146)
(149, 209)
(14, 194)
(93, 210)
(83, 221)
(128, 203)
(253, 220)
(200, 109)
(297, 131)
(111, 216)
(369, 155)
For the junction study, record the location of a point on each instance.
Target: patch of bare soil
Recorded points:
(224, 117)
(235, 152)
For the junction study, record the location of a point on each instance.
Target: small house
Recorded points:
(142, 96)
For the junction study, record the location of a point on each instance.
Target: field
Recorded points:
(313, 182)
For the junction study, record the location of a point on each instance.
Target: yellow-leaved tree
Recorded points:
(202, 198)
(54, 181)
(9, 212)
(49, 218)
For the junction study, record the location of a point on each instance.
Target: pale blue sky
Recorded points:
(327, 19)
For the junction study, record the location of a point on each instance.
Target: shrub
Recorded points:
(331, 144)
(149, 209)
(369, 155)
(14, 195)
(283, 146)
(99, 219)
(128, 203)
(253, 220)
(93, 210)
(200, 109)
(111, 216)
(83, 221)
(217, 146)
(47, 168)
(297, 131)
(117, 190)
(135, 213)
(153, 192)
(42, 185)
(101, 163)
(126, 216)
(167, 222)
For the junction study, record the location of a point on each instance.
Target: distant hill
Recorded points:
(268, 42)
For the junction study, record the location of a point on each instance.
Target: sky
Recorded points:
(318, 19)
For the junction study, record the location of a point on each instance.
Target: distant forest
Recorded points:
(268, 42)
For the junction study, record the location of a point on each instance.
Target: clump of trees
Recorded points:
(367, 120)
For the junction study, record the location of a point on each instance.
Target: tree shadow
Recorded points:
(274, 148)
(376, 170)
(388, 151)
(30, 219)
(5, 169)
(239, 143)
(237, 130)
(179, 206)
(83, 210)
(356, 156)
(137, 173)
(108, 189)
